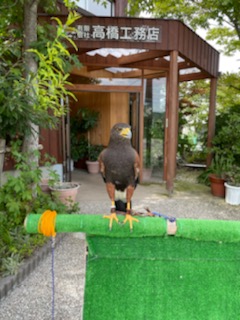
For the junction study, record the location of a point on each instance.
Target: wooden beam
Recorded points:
(193, 76)
(98, 61)
(143, 60)
(103, 88)
(155, 64)
(151, 75)
(185, 65)
(142, 56)
(93, 74)
(138, 73)
(211, 116)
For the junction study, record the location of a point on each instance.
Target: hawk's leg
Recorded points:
(111, 217)
(111, 192)
(129, 218)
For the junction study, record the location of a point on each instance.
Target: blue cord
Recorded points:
(171, 219)
(53, 286)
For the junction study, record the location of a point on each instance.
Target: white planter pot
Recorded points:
(232, 195)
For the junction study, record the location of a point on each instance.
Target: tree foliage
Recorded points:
(220, 18)
(15, 105)
(193, 116)
(228, 93)
(28, 100)
(53, 66)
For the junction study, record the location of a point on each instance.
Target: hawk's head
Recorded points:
(121, 131)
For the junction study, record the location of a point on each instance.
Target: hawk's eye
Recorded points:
(119, 129)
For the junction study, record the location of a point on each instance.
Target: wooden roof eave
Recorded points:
(140, 57)
(194, 76)
(175, 35)
(139, 73)
(102, 88)
(84, 72)
(140, 60)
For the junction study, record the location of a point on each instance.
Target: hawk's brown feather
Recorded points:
(120, 163)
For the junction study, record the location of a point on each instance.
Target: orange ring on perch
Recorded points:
(46, 224)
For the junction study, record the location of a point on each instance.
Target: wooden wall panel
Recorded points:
(52, 144)
(100, 101)
(112, 106)
(119, 108)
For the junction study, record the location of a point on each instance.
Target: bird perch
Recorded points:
(207, 230)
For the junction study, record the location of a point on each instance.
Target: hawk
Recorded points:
(119, 166)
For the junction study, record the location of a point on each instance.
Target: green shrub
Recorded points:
(19, 196)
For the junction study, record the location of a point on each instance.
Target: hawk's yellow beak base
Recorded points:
(126, 133)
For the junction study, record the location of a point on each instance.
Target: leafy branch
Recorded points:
(50, 82)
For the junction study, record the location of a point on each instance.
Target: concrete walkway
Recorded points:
(31, 300)
(196, 203)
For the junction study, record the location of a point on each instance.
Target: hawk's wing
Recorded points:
(101, 165)
(136, 165)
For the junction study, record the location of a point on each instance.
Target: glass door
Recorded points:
(154, 123)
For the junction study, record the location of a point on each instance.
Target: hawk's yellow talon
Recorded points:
(130, 219)
(111, 217)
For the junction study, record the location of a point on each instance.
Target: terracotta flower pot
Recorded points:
(217, 186)
(66, 192)
(92, 166)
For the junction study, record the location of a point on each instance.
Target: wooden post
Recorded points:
(211, 117)
(141, 126)
(172, 120)
(121, 8)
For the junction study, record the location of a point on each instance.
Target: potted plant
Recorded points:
(83, 121)
(217, 174)
(66, 192)
(233, 186)
(79, 149)
(93, 154)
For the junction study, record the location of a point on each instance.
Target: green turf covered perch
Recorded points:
(148, 275)
(208, 230)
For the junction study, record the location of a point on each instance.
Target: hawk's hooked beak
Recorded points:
(126, 133)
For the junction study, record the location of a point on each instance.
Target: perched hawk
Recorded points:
(119, 165)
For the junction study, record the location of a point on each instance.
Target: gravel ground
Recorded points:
(32, 298)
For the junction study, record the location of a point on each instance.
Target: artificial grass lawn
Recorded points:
(147, 275)
(165, 277)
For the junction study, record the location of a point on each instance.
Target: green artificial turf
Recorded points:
(165, 277)
(147, 275)
(157, 278)
(208, 230)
